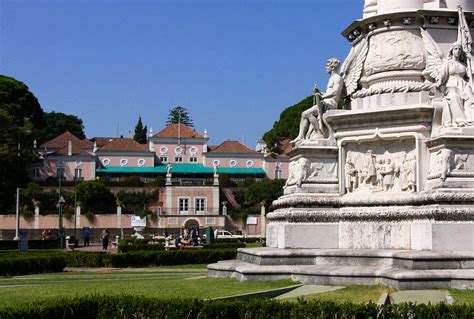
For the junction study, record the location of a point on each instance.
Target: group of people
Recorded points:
(47, 234)
(190, 237)
(380, 173)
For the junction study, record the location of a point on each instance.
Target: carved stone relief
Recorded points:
(446, 162)
(375, 168)
(395, 51)
(303, 170)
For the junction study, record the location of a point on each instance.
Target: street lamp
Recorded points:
(61, 234)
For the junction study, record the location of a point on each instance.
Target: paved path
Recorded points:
(421, 296)
(308, 290)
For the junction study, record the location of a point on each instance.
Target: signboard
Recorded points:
(252, 220)
(137, 221)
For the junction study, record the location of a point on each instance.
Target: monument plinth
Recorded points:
(392, 173)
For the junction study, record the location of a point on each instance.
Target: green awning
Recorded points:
(180, 168)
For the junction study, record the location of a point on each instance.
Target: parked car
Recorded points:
(222, 233)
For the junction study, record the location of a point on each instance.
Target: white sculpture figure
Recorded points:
(350, 176)
(388, 171)
(443, 162)
(298, 172)
(451, 75)
(369, 168)
(379, 166)
(404, 171)
(411, 174)
(350, 76)
(216, 168)
(169, 169)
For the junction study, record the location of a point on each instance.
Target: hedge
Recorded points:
(32, 244)
(223, 245)
(24, 265)
(171, 257)
(137, 245)
(95, 306)
(240, 240)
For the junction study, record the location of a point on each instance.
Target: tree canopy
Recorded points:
(57, 123)
(140, 132)
(288, 124)
(181, 115)
(21, 118)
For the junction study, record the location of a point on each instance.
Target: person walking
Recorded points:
(86, 234)
(104, 236)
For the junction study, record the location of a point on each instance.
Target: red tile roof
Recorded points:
(101, 141)
(184, 132)
(124, 145)
(233, 147)
(61, 145)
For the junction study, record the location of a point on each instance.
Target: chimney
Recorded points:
(69, 148)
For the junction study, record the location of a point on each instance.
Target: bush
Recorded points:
(32, 244)
(87, 259)
(95, 306)
(25, 264)
(173, 257)
(135, 245)
(240, 240)
(223, 245)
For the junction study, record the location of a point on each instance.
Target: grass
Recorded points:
(156, 285)
(354, 294)
(462, 296)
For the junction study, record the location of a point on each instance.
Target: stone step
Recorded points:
(346, 275)
(403, 259)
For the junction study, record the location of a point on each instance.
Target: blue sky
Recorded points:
(234, 64)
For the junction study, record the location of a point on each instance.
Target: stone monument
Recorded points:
(381, 182)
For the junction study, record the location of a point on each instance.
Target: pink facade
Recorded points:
(126, 160)
(274, 168)
(190, 151)
(184, 200)
(236, 161)
(73, 167)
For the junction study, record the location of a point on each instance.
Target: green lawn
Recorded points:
(355, 294)
(462, 296)
(159, 284)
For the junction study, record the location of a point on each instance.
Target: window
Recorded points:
(183, 206)
(178, 159)
(141, 162)
(233, 163)
(163, 150)
(278, 173)
(123, 162)
(193, 159)
(106, 161)
(78, 174)
(178, 150)
(249, 163)
(200, 205)
(164, 159)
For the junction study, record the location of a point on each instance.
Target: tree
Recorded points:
(179, 114)
(57, 123)
(288, 124)
(21, 118)
(140, 132)
(264, 192)
(95, 197)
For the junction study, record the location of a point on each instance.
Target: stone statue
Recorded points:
(444, 158)
(452, 76)
(298, 171)
(369, 168)
(411, 173)
(349, 78)
(169, 169)
(388, 172)
(216, 168)
(323, 102)
(350, 175)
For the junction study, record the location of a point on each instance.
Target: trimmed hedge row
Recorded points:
(126, 246)
(32, 244)
(240, 240)
(143, 307)
(24, 265)
(223, 246)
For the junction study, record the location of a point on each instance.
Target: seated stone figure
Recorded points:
(323, 102)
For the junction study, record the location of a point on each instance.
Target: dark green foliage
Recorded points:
(288, 124)
(239, 240)
(32, 244)
(26, 264)
(179, 114)
(136, 202)
(87, 259)
(97, 306)
(264, 192)
(172, 257)
(95, 197)
(226, 181)
(57, 123)
(140, 134)
(21, 118)
(224, 245)
(138, 245)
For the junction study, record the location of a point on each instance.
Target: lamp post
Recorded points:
(17, 217)
(61, 232)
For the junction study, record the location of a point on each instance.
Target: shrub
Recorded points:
(240, 240)
(32, 244)
(95, 306)
(87, 259)
(173, 257)
(135, 245)
(224, 245)
(25, 264)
